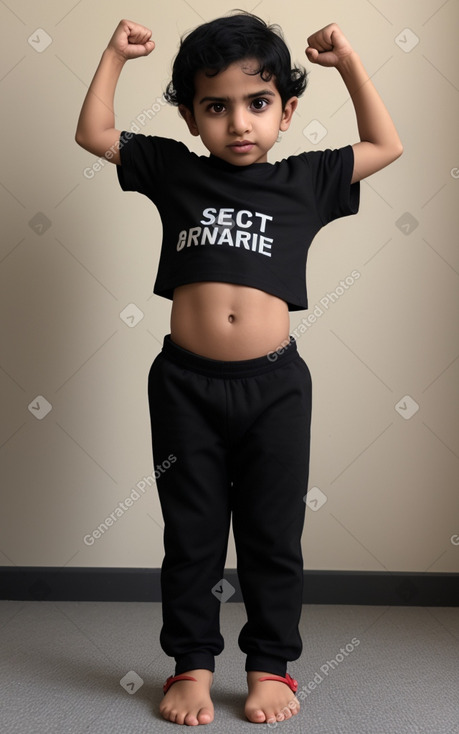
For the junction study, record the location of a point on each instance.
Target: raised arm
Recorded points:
(379, 141)
(96, 130)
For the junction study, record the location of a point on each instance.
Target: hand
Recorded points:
(131, 40)
(328, 47)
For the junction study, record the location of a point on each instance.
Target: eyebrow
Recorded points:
(261, 93)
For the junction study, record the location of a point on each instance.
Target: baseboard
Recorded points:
(37, 583)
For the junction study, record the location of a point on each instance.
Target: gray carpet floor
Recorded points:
(74, 667)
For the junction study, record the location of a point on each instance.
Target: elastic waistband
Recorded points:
(236, 368)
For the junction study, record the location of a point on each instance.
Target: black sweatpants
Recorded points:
(239, 432)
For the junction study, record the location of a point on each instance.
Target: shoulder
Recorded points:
(151, 156)
(327, 157)
(151, 143)
(322, 167)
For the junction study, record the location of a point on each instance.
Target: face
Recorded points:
(237, 114)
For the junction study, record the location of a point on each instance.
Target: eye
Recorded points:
(216, 107)
(259, 104)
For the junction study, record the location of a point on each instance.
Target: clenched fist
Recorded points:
(131, 40)
(328, 47)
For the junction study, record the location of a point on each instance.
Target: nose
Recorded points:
(240, 121)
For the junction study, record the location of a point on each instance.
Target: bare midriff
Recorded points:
(227, 321)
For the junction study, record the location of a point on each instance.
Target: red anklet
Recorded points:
(288, 680)
(174, 678)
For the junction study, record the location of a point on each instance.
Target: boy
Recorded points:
(229, 394)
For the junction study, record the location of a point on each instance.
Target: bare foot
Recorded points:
(269, 701)
(188, 702)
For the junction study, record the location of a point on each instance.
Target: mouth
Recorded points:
(241, 146)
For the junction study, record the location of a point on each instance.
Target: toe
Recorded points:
(205, 716)
(256, 716)
(190, 720)
(166, 713)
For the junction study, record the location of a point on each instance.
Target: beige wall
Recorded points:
(75, 251)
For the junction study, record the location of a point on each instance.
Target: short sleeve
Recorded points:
(331, 172)
(146, 161)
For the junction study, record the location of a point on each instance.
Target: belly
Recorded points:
(228, 322)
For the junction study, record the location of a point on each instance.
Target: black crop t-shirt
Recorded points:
(249, 225)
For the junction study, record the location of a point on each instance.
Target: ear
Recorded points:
(188, 116)
(287, 114)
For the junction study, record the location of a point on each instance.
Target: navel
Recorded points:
(231, 318)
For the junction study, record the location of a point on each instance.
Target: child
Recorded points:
(229, 394)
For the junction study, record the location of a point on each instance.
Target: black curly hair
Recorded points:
(213, 46)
